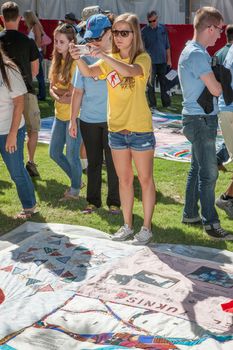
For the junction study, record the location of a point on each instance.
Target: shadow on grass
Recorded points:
(4, 185)
(182, 235)
(161, 198)
(50, 191)
(6, 223)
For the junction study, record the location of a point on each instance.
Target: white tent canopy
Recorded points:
(170, 11)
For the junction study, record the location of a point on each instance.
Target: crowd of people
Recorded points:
(99, 92)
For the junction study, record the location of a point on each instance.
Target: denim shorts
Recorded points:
(137, 141)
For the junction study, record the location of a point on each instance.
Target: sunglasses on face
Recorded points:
(153, 20)
(122, 33)
(91, 40)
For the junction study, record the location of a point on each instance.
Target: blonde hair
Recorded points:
(31, 19)
(62, 72)
(205, 17)
(137, 46)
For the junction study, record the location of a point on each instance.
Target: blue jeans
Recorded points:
(15, 165)
(137, 141)
(201, 131)
(41, 80)
(70, 162)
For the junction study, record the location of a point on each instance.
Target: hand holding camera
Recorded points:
(77, 50)
(83, 49)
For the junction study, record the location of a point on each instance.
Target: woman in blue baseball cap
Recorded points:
(131, 135)
(90, 98)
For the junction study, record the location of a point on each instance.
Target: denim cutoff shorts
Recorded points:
(137, 141)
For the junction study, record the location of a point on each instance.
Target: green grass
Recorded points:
(46, 107)
(175, 106)
(170, 180)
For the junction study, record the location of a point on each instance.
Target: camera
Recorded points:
(83, 49)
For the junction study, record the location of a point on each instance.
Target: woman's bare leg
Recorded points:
(123, 164)
(144, 164)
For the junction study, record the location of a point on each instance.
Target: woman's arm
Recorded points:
(53, 91)
(76, 101)
(85, 69)
(125, 69)
(38, 34)
(11, 141)
(58, 91)
(60, 95)
(35, 68)
(66, 97)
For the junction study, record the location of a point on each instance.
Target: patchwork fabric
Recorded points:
(71, 287)
(171, 144)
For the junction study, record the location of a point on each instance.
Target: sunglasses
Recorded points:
(91, 40)
(153, 20)
(122, 33)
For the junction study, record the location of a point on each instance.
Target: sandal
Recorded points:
(26, 214)
(90, 208)
(68, 197)
(114, 210)
(67, 191)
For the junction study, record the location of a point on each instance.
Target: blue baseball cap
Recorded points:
(95, 26)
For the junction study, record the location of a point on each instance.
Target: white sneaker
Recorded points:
(144, 236)
(124, 233)
(226, 205)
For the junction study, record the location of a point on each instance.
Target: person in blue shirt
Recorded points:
(156, 42)
(195, 73)
(90, 98)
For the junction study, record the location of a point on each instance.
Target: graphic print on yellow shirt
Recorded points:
(127, 103)
(62, 110)
(113, 79)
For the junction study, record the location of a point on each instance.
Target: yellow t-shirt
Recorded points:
(62, 110)
(127, 106)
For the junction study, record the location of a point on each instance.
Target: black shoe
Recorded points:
(217, 232)
(32, 169)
